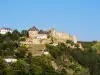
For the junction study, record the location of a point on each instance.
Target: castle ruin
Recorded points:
(36, 35)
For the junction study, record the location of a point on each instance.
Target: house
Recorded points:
(5, 30)
(37, 34)
(10, 60)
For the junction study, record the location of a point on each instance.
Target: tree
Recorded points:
(4, 68)
(19, 68)
(35, 69)
(8, 36)
(7, 48)
(89, 59)
(61, 55)
(16, 35)
(21, 52)
(29, 58)
(24, 33)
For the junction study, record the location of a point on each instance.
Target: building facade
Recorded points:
(37, 34)
(5, 30)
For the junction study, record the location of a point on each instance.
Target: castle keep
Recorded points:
(37, 35)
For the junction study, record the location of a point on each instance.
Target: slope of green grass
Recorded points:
(36, 49)
(97, 46)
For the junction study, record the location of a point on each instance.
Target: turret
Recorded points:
(53, 32)
(74, 38)
(33, 32)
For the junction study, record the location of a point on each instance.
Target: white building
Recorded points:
(42, 36)
(45, 52)
(5, 30)
(10, 60)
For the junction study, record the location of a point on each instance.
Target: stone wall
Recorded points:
(62, 35)
(36, 41)
(42, 36)
(33, 34)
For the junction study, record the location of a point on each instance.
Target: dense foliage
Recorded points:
(63, 59)
(10, 44)
(88, 59)
(87, 44)
(10, 47)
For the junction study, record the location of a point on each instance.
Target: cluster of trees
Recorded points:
(82, 62)
(10, 43)
(65, 60)
(89, 59)
(87, 44)
(39, 65)
(26, 64)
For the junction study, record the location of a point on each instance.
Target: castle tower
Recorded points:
(33, 32)
(74, 38)
(53, 32)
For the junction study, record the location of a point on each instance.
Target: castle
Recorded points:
(36, 35)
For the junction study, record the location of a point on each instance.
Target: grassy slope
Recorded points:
(36, 49)
(97, 46)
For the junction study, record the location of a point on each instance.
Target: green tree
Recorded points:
(24, 33)
(29, 58)
(89, 59)
(35, 69)
(16, 35)
(4, 68)
(19, 68)
(21, 52)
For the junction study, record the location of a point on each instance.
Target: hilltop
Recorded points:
(55, 58)
(37, 36)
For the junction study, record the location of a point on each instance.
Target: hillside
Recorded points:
(97, 46)
(35, 49)
(62, 59)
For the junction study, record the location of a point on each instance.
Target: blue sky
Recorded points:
(79, 17)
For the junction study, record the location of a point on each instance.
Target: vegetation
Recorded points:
(63, 59)
(97, 46)
(10, 46)
(88, 44)
(83, 62)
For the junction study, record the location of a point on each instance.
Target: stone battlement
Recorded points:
(36, 34)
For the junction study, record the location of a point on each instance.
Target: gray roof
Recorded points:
(43, 32)
(33, 29)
